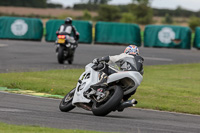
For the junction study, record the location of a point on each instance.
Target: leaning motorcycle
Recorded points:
(102, 103)
(64, 49)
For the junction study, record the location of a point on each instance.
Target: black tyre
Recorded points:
(70, 61)
(60, 56)
(66, 103)
(114, 98)
(71, 57)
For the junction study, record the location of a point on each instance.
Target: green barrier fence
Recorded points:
(83, 27)
(167, 36)
(121, 33)
(21, 28)
(196, 43)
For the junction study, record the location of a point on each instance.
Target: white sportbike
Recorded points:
(102, 103)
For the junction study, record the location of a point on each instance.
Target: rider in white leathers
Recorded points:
(131, 53)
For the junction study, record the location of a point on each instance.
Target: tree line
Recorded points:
(139, 11)
(30, 3)
(179, 12)
(94, 5)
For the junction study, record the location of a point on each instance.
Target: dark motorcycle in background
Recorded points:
(64, 49)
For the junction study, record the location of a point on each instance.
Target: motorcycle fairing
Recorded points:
(135, 76)
(88, 78)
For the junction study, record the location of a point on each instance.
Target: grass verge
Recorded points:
(164, 87)
(6, 128)
(57, 82)
(171, 88)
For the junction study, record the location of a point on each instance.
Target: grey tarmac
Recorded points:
(40, 56)
(27, 110)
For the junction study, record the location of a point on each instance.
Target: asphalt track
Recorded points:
(39, 56)
(20, 109)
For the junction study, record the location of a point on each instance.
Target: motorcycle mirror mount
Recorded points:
(79, 81)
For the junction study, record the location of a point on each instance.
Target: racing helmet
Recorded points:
(131, 50)
(68, 20)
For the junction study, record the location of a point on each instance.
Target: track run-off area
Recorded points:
(20, 56)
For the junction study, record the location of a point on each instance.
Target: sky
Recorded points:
(193, 5)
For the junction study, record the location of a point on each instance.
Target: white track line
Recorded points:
(12, 110)
(3, 45)
(29, 95)
(167, 112)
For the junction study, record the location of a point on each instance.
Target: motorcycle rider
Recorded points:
(70, 31)
(131, 52)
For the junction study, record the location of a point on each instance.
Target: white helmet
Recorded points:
(131, 50)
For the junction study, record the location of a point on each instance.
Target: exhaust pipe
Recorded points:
(126, 104)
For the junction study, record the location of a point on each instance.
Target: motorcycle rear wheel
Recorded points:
(70, 61)
(113, 100)
(60, 56)
(66, 103)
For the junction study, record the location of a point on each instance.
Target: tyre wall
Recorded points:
(21, 28)
(167, 36)
(120, 33)
(197, 38)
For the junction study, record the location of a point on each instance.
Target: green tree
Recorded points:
(168, 19)
(104, 1)
(142, 11)
(127, 18)
(24, 3)
(179, 11)
(98, 1)
(144, 2)
(86, 15)
(108, 13)
(194, 22)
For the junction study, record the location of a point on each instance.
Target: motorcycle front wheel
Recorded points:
(111, 102)
(66, 103)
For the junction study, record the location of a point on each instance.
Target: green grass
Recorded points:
(44, 31)
(142, 36)
(171, 87)
(192, 39)
(54, 81)
(164, 87)
(6, 128)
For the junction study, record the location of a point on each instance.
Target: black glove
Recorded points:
(77, 36)
(105, 59)
(96, 61)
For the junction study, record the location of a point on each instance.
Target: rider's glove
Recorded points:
(57, 32)
(96, 61)
(77, 36)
